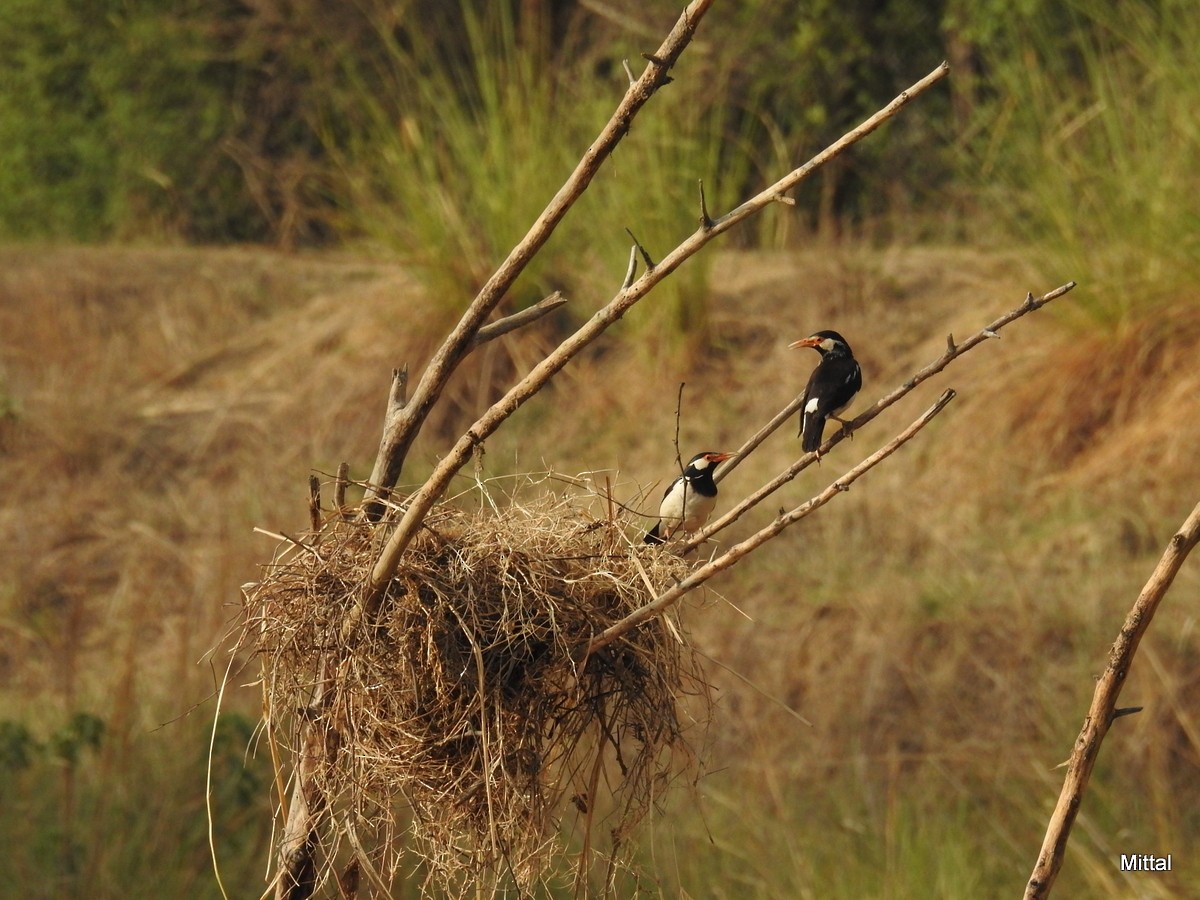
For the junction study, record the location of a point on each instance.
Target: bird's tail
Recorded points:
(812, 428)
(652, 536)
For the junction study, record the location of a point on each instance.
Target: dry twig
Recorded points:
(1104, 707)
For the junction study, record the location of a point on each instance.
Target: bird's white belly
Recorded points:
(690, 511)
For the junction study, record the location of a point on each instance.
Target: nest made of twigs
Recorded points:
(470, 695)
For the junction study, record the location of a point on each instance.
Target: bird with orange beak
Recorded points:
(831, 387)
(690, 499)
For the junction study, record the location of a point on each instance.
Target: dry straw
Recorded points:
(467, 711)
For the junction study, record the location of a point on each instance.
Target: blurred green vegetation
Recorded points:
(451, 178)
(231, 121)
(100, 818)
(439, 130)
(1086, 151)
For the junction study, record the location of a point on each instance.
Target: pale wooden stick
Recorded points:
(401, 427)
(423, 499)
(737, 551)
(296, 876)
(1104, 707)
(952, 353)
(528, 315)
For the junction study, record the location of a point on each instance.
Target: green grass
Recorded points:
(1086, 153)
(891, 829)
(124, 814)
(461, 157)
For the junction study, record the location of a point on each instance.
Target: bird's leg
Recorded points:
(847, 427)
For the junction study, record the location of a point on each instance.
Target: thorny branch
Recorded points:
(1104, 707)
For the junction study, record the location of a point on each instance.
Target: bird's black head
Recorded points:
(704, 461)
(825, 342)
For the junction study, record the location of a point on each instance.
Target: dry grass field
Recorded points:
(940, 625)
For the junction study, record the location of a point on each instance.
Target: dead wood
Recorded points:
(1103, 710)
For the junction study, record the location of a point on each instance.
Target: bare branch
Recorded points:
(296, 877)
(423, 499)
(952, 353)
(774, 193)
(400, 430)
(517, 320)
(1103, 709)
(733, 554)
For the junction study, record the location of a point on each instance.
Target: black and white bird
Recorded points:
(831, 387)
(690, 499)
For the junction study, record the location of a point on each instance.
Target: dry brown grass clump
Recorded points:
(469, 698)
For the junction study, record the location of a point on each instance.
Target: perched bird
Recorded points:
(831, 387)
(690, 499)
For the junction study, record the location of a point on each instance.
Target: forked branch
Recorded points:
(1104, 707)
(422, 500)
(402, 425)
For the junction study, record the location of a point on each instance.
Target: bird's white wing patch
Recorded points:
(811, 405)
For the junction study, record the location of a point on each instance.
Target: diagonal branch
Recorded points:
(952, 353)
(423, 499)
(527, 316)
(1103, 709)
(731, 556)
(403, 423)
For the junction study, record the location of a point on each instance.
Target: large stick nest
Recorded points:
(469, 697)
